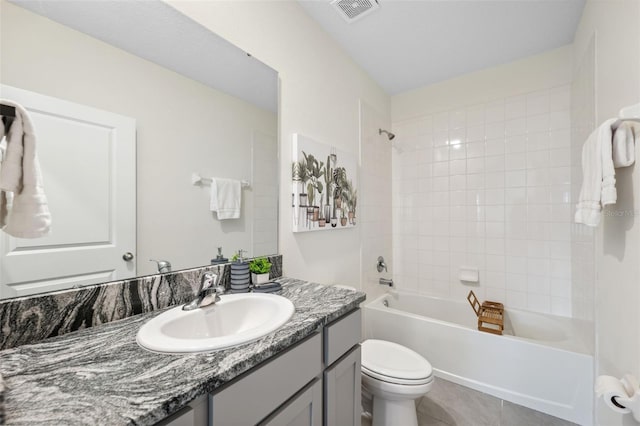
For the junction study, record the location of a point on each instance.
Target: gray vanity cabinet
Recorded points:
(316, 382)
(341, 377)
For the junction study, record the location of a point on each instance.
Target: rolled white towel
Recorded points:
(624, 144)
(599, 179)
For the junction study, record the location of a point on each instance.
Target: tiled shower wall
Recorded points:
(374, 215)
(487, 186)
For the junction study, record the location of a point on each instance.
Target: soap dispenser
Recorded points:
(240, 277)
(220, 259)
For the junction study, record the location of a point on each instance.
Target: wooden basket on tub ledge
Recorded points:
(490, 314)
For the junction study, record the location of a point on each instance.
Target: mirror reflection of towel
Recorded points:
(226, 198)
(28, 215)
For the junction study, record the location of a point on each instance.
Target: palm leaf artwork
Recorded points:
(315, 172)
(330, 183)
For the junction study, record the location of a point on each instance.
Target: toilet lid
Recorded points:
(394, 361)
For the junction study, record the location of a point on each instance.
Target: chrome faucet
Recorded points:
(384, 281)
(163, 265)
(208, 294)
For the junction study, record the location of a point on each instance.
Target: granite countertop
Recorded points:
(100, 375)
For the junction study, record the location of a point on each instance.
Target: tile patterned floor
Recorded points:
(449, 404)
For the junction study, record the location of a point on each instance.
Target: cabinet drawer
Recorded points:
(253, 397)
(341, 335)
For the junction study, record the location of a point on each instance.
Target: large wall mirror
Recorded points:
(130, 100)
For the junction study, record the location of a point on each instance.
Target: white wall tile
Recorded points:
(537, 123)
(495, 180)
(494, 146)
(515, 161)
(440, 169)
(560, 157)
(475, 165)
(475, 133)
(494, 197)
(489, 185)
(516, 213)
(538, 284)
(458, 152)
(515, 143)
(475, 149)
(458, 182)
(539, 302)
(517, 247)
(537, 103)
(441, 153)
(494, 130)
(560, 98)
(515, 106)
(441, 122)
(457, 167)
(515, 196)
(475, 116)
(559, 120)
(441, 138)
(495, 263)
(494, 163)
(457, 119)
(560, 138)
(495, 111)
(516, 127)
(515, 178)
(516, 282)
(475, 181)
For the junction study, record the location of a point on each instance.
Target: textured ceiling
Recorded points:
(155, 31)
(406, 44)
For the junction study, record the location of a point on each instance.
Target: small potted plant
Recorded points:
(260, 268)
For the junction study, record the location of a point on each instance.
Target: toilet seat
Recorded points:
(395, 380)
(393, 363)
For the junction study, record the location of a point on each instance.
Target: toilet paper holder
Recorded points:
(621, 395)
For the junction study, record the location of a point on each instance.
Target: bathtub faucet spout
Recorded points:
(384, 281)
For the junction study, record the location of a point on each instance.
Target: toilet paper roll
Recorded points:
(614, 393)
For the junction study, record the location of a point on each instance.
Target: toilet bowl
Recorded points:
(393, 377)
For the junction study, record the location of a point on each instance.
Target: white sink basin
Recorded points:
(235, 319)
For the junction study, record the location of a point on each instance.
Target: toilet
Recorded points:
(393, 377)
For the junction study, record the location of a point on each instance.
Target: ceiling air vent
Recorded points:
(352, 10)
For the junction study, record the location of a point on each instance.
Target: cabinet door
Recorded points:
(303, 410)
(342, 391)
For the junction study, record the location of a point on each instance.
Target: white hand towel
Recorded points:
(28, 215)
(226, 198)
(598, 180)
(624, 147)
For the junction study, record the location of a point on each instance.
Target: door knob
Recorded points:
(128, 256)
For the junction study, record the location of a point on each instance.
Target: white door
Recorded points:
(87, 157)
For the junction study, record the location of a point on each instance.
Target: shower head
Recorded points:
(389, 134)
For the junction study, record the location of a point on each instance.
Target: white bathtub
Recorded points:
(542, 362)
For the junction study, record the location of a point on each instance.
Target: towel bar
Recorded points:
(196, 178)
